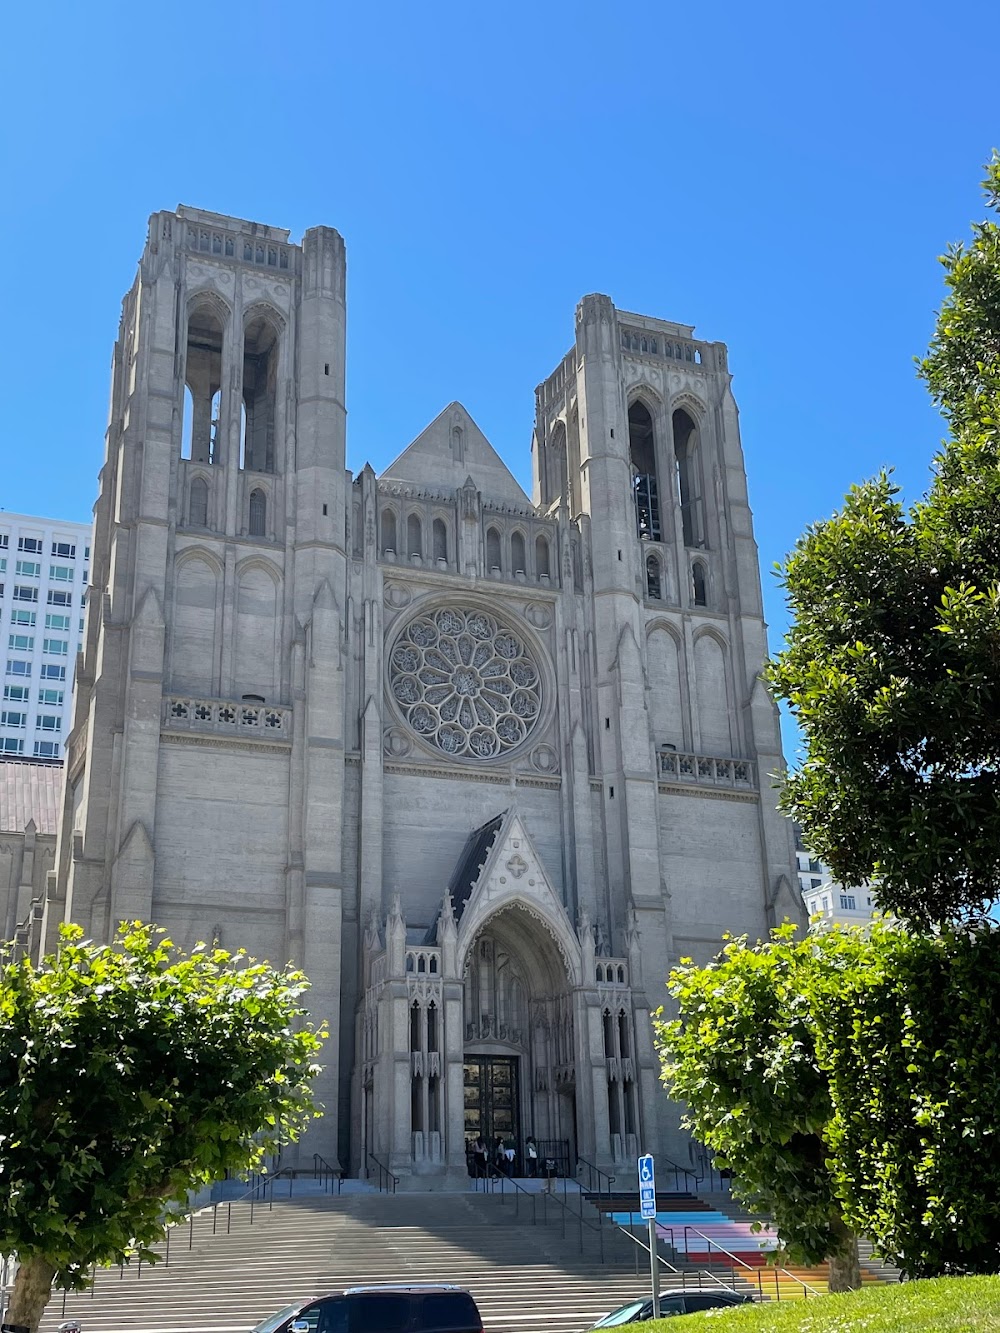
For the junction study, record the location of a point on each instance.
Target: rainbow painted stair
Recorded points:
(720, 1237)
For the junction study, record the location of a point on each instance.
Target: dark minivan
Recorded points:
(396, 1309)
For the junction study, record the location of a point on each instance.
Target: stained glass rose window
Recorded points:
(465, 682)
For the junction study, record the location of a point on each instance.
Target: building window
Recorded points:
(25, 594)
(17, 721)
(847, 902)
(51, 698)
(541, 557)
(57, 597)
(202, 386)
(61, 573)
(494, 560)
(48, 722)
(4, 541)
(198, 508)
(815, 883)
(518, 559)
(28, 569)
(15, 694)
(260, 391)
(699, 584)
(688, 468)
(53, 621)
(3, 564)
(440, 534)
(389, 546)
(56, 647)
(8, 745)
(642, 452)
(64, 550)
(414, 537)
(46, 749)
(23, 618)
(21, 643)
(654, 588)
(33, 545)
(258, 513)
(50, 672)
(15, 667)
(826, 904)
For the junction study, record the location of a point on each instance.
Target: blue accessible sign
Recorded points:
(647, 1187)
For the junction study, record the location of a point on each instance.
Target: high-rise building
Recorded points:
(827, 901)
(484, 765)
(44, 569)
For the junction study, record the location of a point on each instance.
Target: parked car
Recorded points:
(672, 1303)
(388, 1309)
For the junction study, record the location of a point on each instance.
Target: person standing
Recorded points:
(531, 1153)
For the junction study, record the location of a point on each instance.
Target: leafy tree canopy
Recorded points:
(131, 1075)
(852, 1081)
(892, 664)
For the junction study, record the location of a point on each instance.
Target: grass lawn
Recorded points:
(944, 1305)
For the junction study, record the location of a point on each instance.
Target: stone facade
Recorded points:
(483, 765)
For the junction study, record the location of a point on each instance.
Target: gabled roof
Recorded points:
(477, 848)
(30, 791)
(450, 450)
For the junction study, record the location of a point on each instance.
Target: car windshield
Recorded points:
(276, 1320)
(623, 1315)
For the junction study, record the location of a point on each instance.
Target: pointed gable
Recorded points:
(448, 451)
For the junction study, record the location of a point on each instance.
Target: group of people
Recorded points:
(501, 1158)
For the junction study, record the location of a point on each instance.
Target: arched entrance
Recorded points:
(519, 1055)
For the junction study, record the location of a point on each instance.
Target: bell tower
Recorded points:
(205, 765)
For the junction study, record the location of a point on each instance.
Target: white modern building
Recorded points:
(828, 902)
(44, 568)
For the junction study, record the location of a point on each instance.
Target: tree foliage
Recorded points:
(131, 1075)
(892, 664)
(852, 1081)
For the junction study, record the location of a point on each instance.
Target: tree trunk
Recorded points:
(32, 1289)
(845, 1265)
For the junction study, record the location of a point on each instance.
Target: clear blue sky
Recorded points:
(782, 176)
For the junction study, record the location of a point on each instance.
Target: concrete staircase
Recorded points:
(531, 1265)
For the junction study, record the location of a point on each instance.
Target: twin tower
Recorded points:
(484, 765)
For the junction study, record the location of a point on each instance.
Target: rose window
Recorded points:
(465, 683)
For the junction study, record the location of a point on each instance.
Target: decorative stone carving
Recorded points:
(396, 744)
(397, 595)
(538, 615)
(466, 683)
(544, 759)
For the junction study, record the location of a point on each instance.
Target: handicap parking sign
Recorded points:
(647, 1187)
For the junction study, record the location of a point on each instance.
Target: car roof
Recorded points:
(414, 1287)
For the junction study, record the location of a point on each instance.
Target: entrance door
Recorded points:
(491, 1099)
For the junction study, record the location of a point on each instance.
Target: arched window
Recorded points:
(258, 513)
(432, 1037)
(198, 508)
(699, 584)
(440, 534)
(202, 378)
(260, 386)
(215, 442)
(557, 474)
(654, 588)
(414, 536)
(493, 557)
(518, 560)
(414, 1026)
(622, 1034)
(642, 452)
(542, 557)
(609, 1034)
(388, 532)
(688, 477)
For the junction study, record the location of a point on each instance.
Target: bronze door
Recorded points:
(491, 1099)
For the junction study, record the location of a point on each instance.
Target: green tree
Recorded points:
(742, 1056)
(892, 663)
(852, 1080)
(131, 1075)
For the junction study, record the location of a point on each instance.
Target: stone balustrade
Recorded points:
(706, 770)
(227, 717)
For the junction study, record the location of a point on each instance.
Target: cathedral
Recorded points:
(483, 764)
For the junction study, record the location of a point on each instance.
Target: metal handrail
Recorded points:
(324, 1171)
(391, 1181)
(596, 1171)
(700, 1273)
(735, 1258)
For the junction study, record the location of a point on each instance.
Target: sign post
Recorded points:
(647, 1207)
